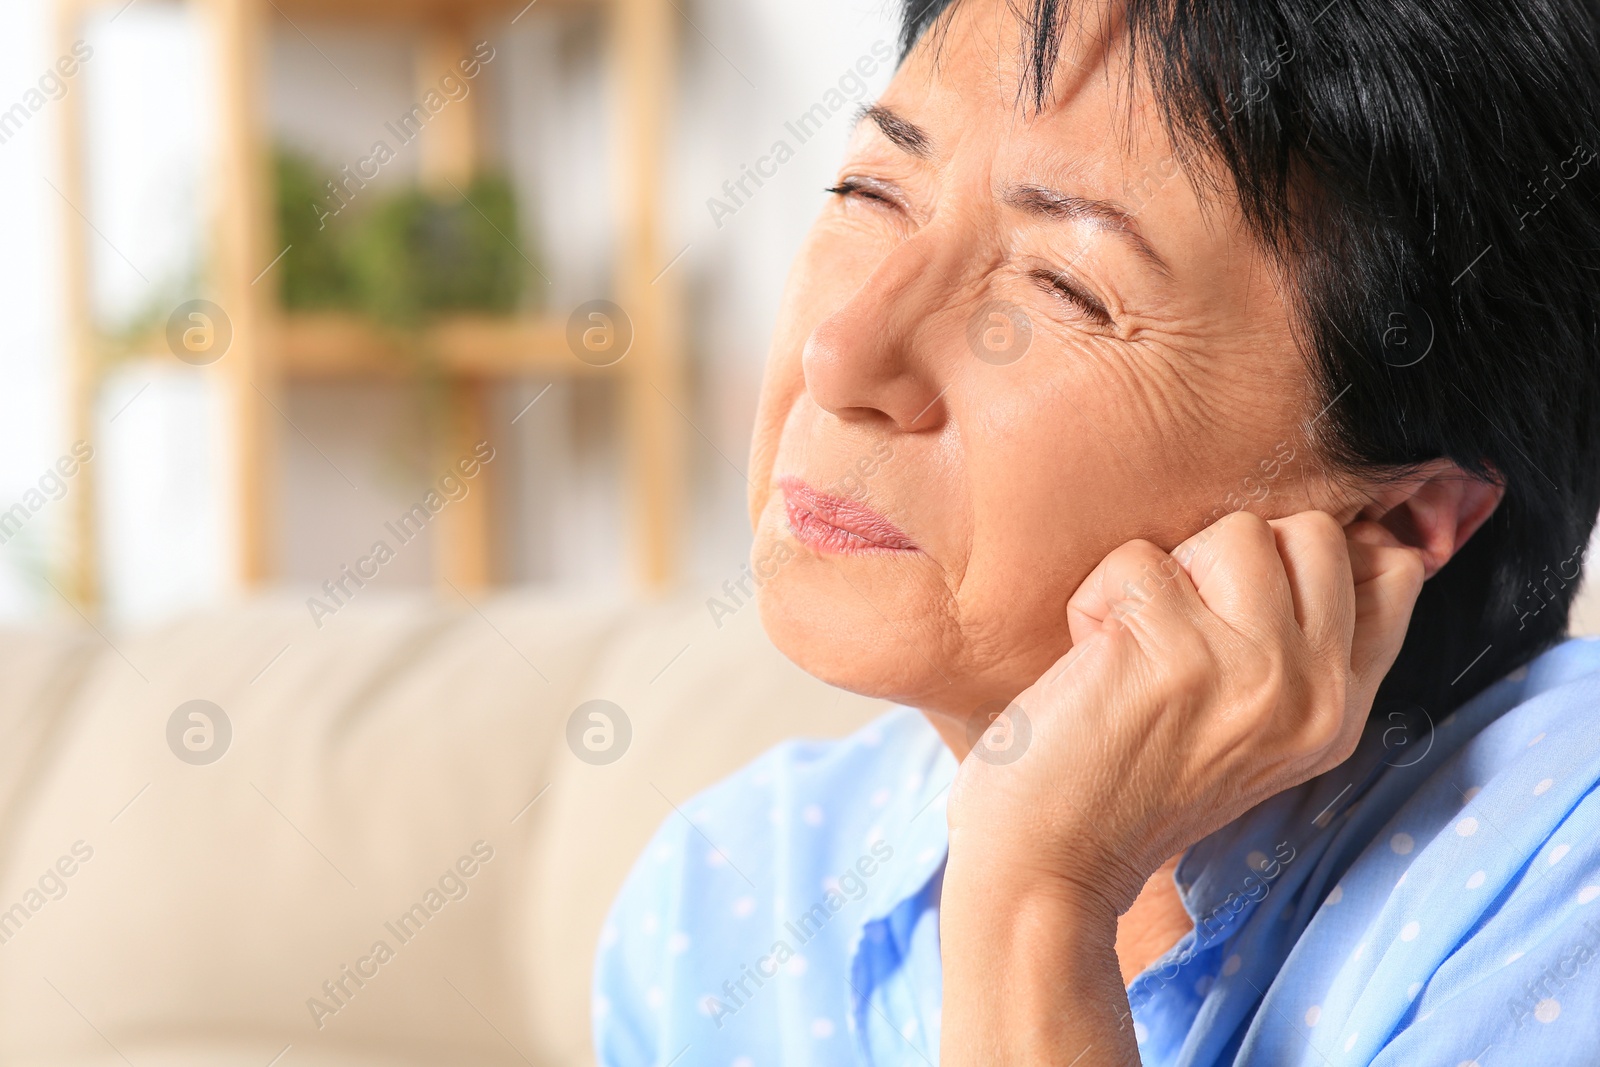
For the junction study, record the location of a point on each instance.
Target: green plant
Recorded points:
(400, 256)
(416, 253)
(314, 274)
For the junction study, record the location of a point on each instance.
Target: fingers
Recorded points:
(1132, 578)
(1387, 579)
(1139, 611)
(1262, 579)
(1347, 594)
(1239, 575)
(1316, 561)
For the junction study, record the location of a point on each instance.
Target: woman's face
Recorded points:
(1011, 343)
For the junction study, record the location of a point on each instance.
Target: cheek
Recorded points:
(1079, 448)
(782, 386)
(836, 258)
(782, 383)
(1050, 496)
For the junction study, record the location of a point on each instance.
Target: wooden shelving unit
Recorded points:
(271, 348)
(339, 346)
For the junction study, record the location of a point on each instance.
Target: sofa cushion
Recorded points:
(397, 858)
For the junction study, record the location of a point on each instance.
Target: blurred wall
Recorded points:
(31, 411)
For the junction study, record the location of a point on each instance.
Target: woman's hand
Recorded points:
(1199, 684)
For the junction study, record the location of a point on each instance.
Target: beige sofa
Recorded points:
(162, 912)
(167, 912)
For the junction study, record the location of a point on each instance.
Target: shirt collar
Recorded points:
(1222, 877)
(1219, 878)
(913, 822)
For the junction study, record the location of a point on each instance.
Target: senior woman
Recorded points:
(1191, 414)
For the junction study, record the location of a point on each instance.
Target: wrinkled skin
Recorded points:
(1014, 480)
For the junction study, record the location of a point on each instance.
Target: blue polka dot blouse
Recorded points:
(1433, 900)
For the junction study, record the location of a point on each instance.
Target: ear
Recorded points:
(1434, 510)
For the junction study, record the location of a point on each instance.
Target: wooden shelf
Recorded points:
(379, 11)
(335, 345)
(273, 347)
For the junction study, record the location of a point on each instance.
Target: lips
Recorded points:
(834, 524)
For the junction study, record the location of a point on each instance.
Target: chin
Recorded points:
(814, 610)
(841, 646)
(888, 626)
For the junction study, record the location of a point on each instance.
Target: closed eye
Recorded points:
(866, 189)
(1066, 287)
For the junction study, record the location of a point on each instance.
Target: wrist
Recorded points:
(1021, 906)
(1090, 889)
(1030, 974)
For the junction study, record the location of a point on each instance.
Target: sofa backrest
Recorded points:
(397, 857)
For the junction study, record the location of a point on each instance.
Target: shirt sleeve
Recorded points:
(1524, 986)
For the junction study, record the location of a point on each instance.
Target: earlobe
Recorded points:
(1435, 510)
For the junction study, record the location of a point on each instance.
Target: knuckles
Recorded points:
(1129, 578)
(1197, 706)
(1410, 572)
(1269, 684)
(1237, 524)
(1237, 532)
(1137, 570)
(1317, 527)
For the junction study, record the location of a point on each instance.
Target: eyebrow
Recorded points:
(906, 136)
(1103, 214)
(1033, 199)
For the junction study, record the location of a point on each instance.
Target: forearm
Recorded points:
(1030, 975)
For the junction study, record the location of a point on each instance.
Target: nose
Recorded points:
(862, 363)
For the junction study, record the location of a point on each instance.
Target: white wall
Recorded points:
(147, 121)
(31, 419)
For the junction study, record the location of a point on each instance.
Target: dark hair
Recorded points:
(1427, 175)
